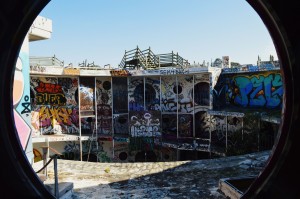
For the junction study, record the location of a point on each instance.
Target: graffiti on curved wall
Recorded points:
(54, 105)
(144, 123)
(169, 94)
(152, 93)
(253, 90)
(104, 105)
(136, 93)
(185, 93)
(21, 100)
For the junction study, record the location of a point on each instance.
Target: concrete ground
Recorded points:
(197, 179)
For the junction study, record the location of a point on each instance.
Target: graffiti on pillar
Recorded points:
(185, 94)
(168, 154)
(144, 123)
(104, 105)
(136, 91)
(218, 132)
(185, 125)
(201, 91)
(88, 125)
(202, 125)
(142, 144)
(235, 125)
(71, 151)
(169, 94)
(54, 105)
(254, 90)
(37, 155)
(152, 93)
(120, 95)
(169, 126)
(121, 153)
(121, 124)
(21, 100)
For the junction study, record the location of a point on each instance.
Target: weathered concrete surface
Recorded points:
(185, 179)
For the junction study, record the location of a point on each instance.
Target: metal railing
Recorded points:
(146, 59)
(45, 61)
(46, 163)
(172, 59)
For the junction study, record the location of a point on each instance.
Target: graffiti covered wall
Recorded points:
(142, 114)
(152, 93)
(21, 100)
(54, 105)
(185, 93)
(169, 94)
(252, 90)
(145, 124)
(104, 105)
(136, 90)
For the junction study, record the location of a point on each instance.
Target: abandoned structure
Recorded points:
(152, 107)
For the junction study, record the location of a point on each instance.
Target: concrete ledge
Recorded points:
(65, 189)
(235, 187)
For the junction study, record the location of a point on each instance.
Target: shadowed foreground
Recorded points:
(183, 179)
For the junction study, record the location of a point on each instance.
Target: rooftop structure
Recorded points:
(146, 59)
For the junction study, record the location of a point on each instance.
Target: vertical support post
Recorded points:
(194, 114)
(209, 135)
(80, 141)
(172, 57)
(176, 82)
(226, 130)
(159, 63)
(56, 191)
(242, 128)
(45, 155)
(95, 126)
(258, 135)
(144, 82)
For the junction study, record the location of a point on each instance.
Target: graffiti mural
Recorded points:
(254, 90)
(71, 150)
(218, 133)
(145, 123)
(185, 125)
(168, 154)
(185, 93)
(120, 95)
(136, 93)
(21, 101)
(169, 94)
(37, 155)
(152, 93)
(121, 152)
(88, 125)
(202, 125)
(104, 105)
(169, 126)
(121, 124)
(54, 105)
(144, 148)
(201, 91)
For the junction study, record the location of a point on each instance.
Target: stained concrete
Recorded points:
(182, 179)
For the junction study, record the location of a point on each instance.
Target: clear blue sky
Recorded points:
(101, 30)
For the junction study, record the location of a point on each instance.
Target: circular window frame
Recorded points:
(16, 18)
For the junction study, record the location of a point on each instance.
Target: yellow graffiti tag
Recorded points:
(61, 115)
